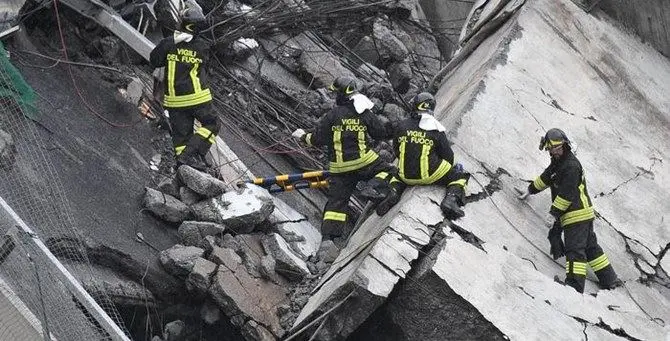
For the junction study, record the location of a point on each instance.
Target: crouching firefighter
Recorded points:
(573, 210)
(346, 130)
(425, 158)
(186, 88)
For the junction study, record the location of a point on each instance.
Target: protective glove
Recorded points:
(556, 241)
(298, 133)
(523, 195)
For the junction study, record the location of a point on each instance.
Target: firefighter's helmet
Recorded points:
(423, 102)
(554, 137)
(344, 85)
(192, 18)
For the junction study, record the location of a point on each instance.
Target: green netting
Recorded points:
(18, 90)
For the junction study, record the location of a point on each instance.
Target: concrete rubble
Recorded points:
(223, 260)
(520, 67)
(490, 275)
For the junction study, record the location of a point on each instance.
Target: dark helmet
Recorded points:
(423, 102)
(192, 19)
(344, 85)
(554, 137)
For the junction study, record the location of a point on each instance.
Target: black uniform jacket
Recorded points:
(347, 134)
(186, 81)
(571, 202)
(424, 156)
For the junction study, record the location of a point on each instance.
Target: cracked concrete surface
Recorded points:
(562, 68)
(578, 72)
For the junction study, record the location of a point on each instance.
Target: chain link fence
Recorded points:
(33, 212)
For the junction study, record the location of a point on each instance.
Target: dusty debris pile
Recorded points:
(242, 252)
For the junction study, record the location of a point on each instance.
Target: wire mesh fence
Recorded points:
(30, 185)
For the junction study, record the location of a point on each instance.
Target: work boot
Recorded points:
(391, 200)
(452, 202)
(450, 208)
(612, 285)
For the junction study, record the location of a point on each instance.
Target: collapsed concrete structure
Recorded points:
(548, 64)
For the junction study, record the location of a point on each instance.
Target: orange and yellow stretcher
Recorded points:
(295, 181)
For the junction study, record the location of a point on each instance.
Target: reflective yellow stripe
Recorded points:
(308, 139)
(332, 215)
(337, 146)
(352, 165)
(401, 161)
(539, 184)
(460, 182)
(179, 149)
(582, 194)
(561, 203)
(194, 78)
(423, 161)
(361, 144)
(171, 68)
(174, 101)
(382, 175)
(599, 263)
(578, 268)
(393, 179)
(441, 170)
(204, 132)
(576, 216)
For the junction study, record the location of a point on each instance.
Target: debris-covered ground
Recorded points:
(273, 62)
(195, 259)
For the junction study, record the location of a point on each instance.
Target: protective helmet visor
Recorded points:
(547, 144)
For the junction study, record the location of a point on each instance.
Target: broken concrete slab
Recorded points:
(615, 177)
(386, 44)
(377, 256)
(665, 263)
(303, 237)
(165, 206)
(200, 278)
(483, 12)
(188, 196)
(288, 264)
(242, 297)
(194, 232)
(252, 331)
(240, 210)
(179, 260)
(249, 247)
(225, 256)
(200, 182)
(529, 304)
(169, 186)
(317, 65)
(473, 38)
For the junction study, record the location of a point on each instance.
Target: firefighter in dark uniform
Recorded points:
(573, 210)
(186, 88)
(425, 158)
(346, 131)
